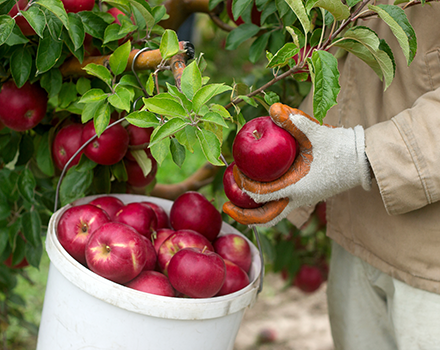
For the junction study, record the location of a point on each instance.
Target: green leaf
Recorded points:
(221, 110)
(75, 185)
(351, 3)
(210, 146)
(51, 81)
(143, 119)
(100, 72)
(6, 27)
(113, 33)
(160, 150)
(48, 53)
(21, 65)
(119, 59)
(169, 44)
(282, 57)
(33, 255)
(174, 91)
(76, 30)
(149, 86)
(44, 155)
(94, 24)
(258, 46)
(238, 7)
(102, 118)
(187, 137)
(144, 8)
(57, 8)
(26, 150)
(78, 53)
(119, 171)
(177, 152)
(206, 93)
(36, 18)
(67, 94)
(54, 25)
(167, 107)
(93, 95)
(26, 185)
(326, 82)
(297, 7)
(5, 211)
(90, 109)
(398, 22)
(213, 117)
(83, 85)
(191, 80)
(240, 34)
(169, 128)
(121, 99)
(31, 224)
(370, 40)
(16, 37)
(335, 7)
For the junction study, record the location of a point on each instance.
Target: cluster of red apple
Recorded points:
(262, 151)
(140, 245)
(114, 144)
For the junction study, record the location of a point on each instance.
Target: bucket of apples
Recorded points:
(137, 272)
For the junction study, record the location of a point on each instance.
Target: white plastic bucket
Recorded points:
(85, 311)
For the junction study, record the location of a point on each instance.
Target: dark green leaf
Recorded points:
(240, 34)
(57, 8)
(258, 46)
(238, 7)
(36, 18)
(5, 211)
(26, 150)
(21, 65)
(44, 155)
(94, 24)
(177, 152)
(6, 27)
(101, 179)
(282, 57)
(90, 109)
(339, 10)
(54, 25)
(51, 81)
(144, 8)
(75, 185)
(26, 185)
(67, 94)
(48, 53)
(187, 137)
(119, 171)
(297, 7)
(31, 224)
(16, 37)
(83, 85)
(76, 30)
(33, 255)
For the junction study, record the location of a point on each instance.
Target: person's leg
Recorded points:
(415, 315)
(357, 303)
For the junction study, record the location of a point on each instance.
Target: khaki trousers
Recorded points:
(370, 310)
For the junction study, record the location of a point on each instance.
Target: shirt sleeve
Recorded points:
(404, 154)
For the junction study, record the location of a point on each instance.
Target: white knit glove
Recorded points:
(330, 161)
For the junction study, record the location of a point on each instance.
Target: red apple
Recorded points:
(160, 236)
(152, 282)
(196, 272)
(22, 108)
(193, 211)
(117, 252)
(65, 144)
(20, 265)
(135, 174)
(235, 248)
(162, 217)
(138, 216)
(111, 205)
(151, 262)
(308, 279)
(22, 23)
(234, 193)
(75, 227)
(262, 150)
(115, 12)
(139, 139)
(78, 5)
(109, 148)
(255, 14)
(236, 279)
(178, 241)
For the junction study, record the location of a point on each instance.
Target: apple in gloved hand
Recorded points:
(263, 151)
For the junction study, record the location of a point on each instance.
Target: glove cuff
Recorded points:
(363, 164)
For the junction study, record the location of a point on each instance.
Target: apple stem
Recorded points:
(256, 134)
(204, 249)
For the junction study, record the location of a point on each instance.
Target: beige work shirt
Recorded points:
(395, 226)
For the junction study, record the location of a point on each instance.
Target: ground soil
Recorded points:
(299, 320)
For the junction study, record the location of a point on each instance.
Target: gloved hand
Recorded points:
(331, 160)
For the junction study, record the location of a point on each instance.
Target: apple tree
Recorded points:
(109, 64)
